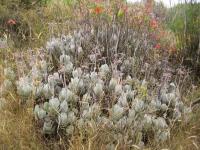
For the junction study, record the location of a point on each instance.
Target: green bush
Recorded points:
(184, 21)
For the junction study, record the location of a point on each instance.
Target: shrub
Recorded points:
(186, 26)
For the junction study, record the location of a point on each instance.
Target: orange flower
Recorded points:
(157, 46)
(98, 10)
(154, 24)
(11, 22)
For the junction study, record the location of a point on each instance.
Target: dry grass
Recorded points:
(17, 131)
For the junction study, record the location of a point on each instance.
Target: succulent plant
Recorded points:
(73, 93)
(39, 112)
(117, 112)
(48, 127)
(104, 71)
(54, 104)
(24, 87)
(9, 74)
(98, 90)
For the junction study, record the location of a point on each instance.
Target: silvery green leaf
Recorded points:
(71, 97)
(51, 81)
(24, 87)
(162, 135)
(104, 71)
(63, 118)
(76, 85)
(70, 130)
(71, 117)
(176, 114)
(98, 90)
(160, 123)
(80, 123)
(77, 73)
(123, 100)
(47, 92)
(63, 94)
(130, 96)
(127, 88)
(93, 77)
(86, 97)
(68, 68)
(65, 59)
(54, 104)
(64, 106)
(139, 105)
(48, 127)
(87, 114)
(112, 84)
(164, 107)
(118, 89)
(117, 112)
(121, 124)
(147, 121)
(85, 105)
(39, 112)
(39, 91)
(46, 106)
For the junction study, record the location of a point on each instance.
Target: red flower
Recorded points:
(11, 22)
(125, 8)
(157, 46)
(98, 1)
(154, 24)
(98, 9)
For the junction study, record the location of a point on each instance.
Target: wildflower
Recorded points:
(98, 10)
(11, 22)
(157, 46)
(154, 24)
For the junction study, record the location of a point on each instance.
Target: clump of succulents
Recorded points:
(24, 87)
(9, 82)
(72, 93)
